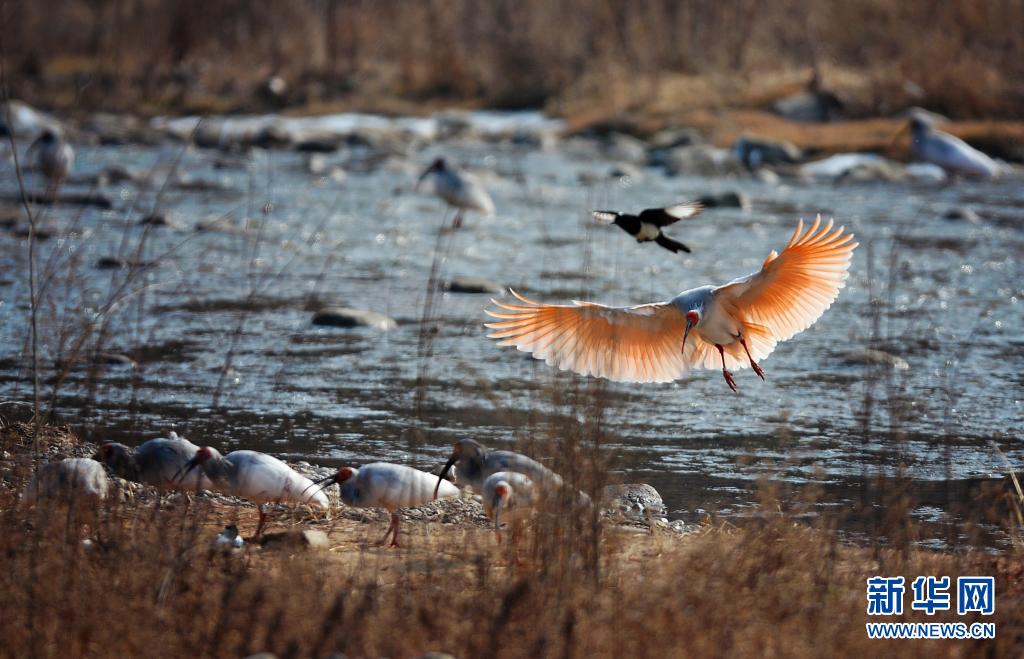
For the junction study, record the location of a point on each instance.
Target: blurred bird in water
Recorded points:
(256, 476)
(459, 189)
(53, 156)
(733, 325)
(947, 151)
(647, 226)
(389, 486)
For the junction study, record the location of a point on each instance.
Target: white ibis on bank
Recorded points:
(510, 496)
(155, 462)
(256, 476)
(474, 463)
(389, 486)
(67, 479)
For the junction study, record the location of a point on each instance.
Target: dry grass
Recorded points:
(149, 584)
(964, 57)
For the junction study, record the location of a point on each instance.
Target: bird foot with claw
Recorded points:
(729, 380)
(758, 370)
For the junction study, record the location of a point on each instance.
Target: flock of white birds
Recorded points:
(730, 326)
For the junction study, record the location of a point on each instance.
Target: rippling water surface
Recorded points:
(942, 294)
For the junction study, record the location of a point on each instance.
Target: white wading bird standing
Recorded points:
(52, 156)
(458, 189)
(256, 476)
(947, 151)
(512, 493)
(385, 485)
(474, 463)
(68, 478)
(731, 325)
(155, 462)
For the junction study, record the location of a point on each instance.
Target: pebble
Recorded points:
(346, 317)
(730, 199)
(877, 358)
(473, 285)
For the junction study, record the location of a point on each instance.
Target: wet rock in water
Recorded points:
(730, 199)
(809, 106)
(872, 357)
(756, 152)
(63, 198)
(619, 146)
(702, 160)
(633, 502)
(853, 167)
(963, 214)
(159, 219)
(925, 172)
(455, 124)
(307, 539)
(326, 143)
(119, 129)
(118, 263)
(187, 183)
(473, 285)
(670, 138)
(626, 170)
(346, 317)
(115, 359)
(115, 174)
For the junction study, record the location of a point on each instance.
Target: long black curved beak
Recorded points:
(686, 334)
(324, 483)
(425, 174)
(444, 472)
(185, 469)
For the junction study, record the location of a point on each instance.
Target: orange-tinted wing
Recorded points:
(627, 344)
(794, 288)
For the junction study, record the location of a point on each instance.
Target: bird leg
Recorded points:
(753, 364)
(457, 222)
(392, 528)
(263, 521)
(725, 372)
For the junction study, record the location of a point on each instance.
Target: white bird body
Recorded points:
(54, 157)
(156, 462)
(259, 477)
(256, 476)
(732, 325)
(508, 496)
(69, 478)
(389, 486)
(474, 464)
(458, 188)
(948, 151)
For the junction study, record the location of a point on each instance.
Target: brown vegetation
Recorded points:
(964, 58)
(140, 578)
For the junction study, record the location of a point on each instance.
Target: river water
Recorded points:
(943, 295)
